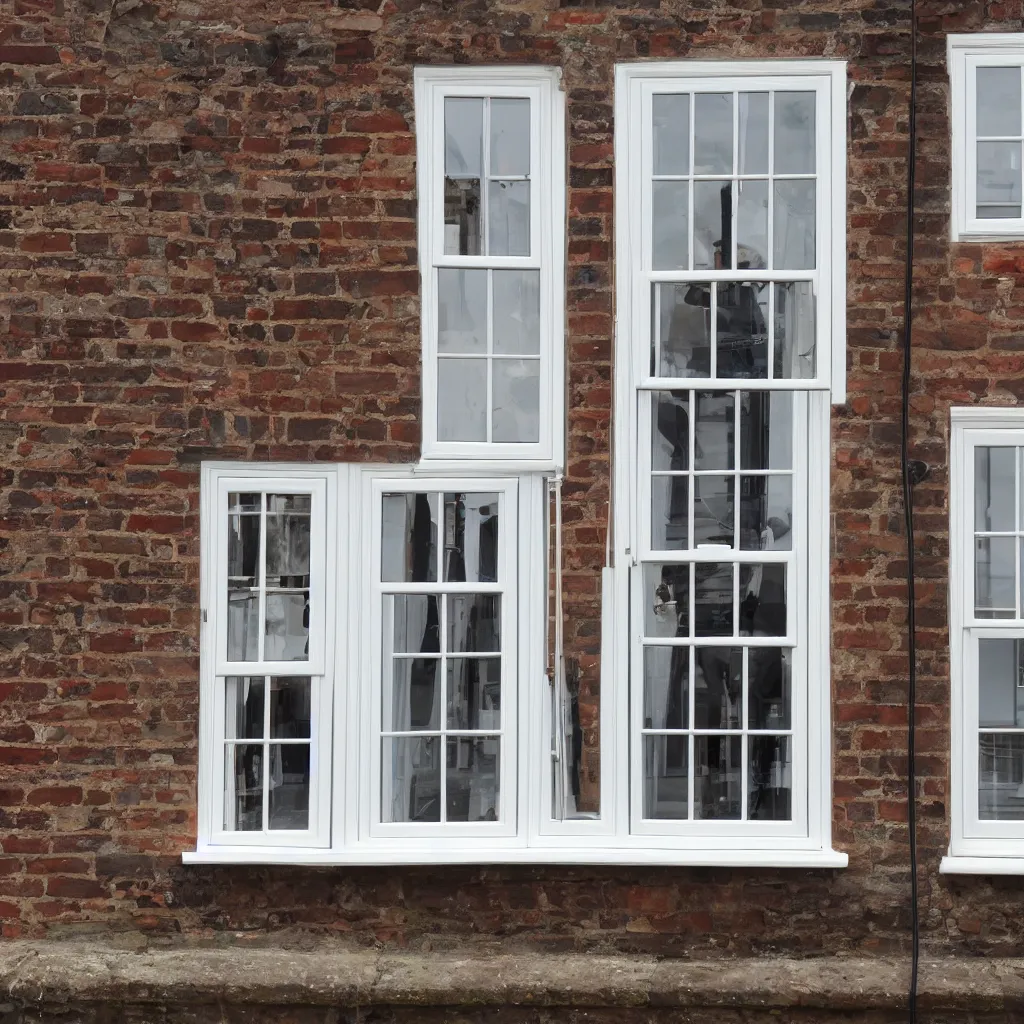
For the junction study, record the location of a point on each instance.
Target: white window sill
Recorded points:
(809, 859)
(981, 866)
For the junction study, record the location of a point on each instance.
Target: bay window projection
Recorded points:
(491, 242)
(987, 634)
(732, 187)
(987, 76)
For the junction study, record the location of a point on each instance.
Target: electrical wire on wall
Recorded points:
(912, 472)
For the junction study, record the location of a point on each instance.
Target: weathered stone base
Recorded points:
(80, 983)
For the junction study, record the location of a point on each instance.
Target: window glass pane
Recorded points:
(1001, 777)
(666, 694)
(463, 168)
(245, 502)
(682, 327)
(999, 179)
(712, 143)
(712, 225)
(508, 218)
(994, 583)
(510, 137)
(794, 133)
(287, 631)
(474, 623)
(243, 625)
(471, 538)
(411, 776)
(998, 212)
(670, 438)
(670, 513)
(766, 513)
(462, 227)
(718, 688)
(1000, 682)
(288, 540)
(670, 225)
(794, 331)
(714, 442)
(516, 297)
(666, 772)
(413, 699)
(793, 230)
(713, 598)
(671, 117)
(753, 132)
(243, 707)
(666, 600)
(290, 708)
(994, 489)
(281, 504)
(243, 550)
(998, 99)
(243, 788)
(461, 399)
(742, 320)
(409, 538)
(461, 310)
(289, 786)
(718, 777)
(516, 396)
(463, 137)
(762, 600)
(769, 687)
(416, 622)
(474, 693)
(766, 430)
(770, 778)
(752, 225)
(472, 779)
(714, 510)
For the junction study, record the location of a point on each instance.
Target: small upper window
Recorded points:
(492, 237)
(987, 77)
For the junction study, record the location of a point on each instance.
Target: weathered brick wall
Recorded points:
(207, 242)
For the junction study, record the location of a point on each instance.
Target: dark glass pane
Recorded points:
(409, 538)
(474, 623)
(770, 778)
(474, 693)
(743, 330)
(713, 598)
(290, 707)
(718, 688)
(769, 687)
(666, 600)
(413, 701)
(411, 776)
(718, 777)
(243, 789)
(289, 786)
(762, 600)
(243, 708)
(473, 779)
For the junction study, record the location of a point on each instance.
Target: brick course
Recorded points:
(207, 243)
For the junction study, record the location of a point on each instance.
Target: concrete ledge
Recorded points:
(66, 973)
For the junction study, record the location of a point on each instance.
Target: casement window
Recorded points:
(491, 185)
(730, 196)
(986, 84)
(986, 621)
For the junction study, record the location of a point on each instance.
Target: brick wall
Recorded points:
(207, 242)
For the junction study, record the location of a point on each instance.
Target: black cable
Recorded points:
(908, 511)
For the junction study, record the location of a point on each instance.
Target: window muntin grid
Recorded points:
(443, 686)
(734, 238)
(717, 606)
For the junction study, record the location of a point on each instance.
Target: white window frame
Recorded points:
(809, 832)
(976, 846)
(965, 53)
(216, 483)
(542, 86)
